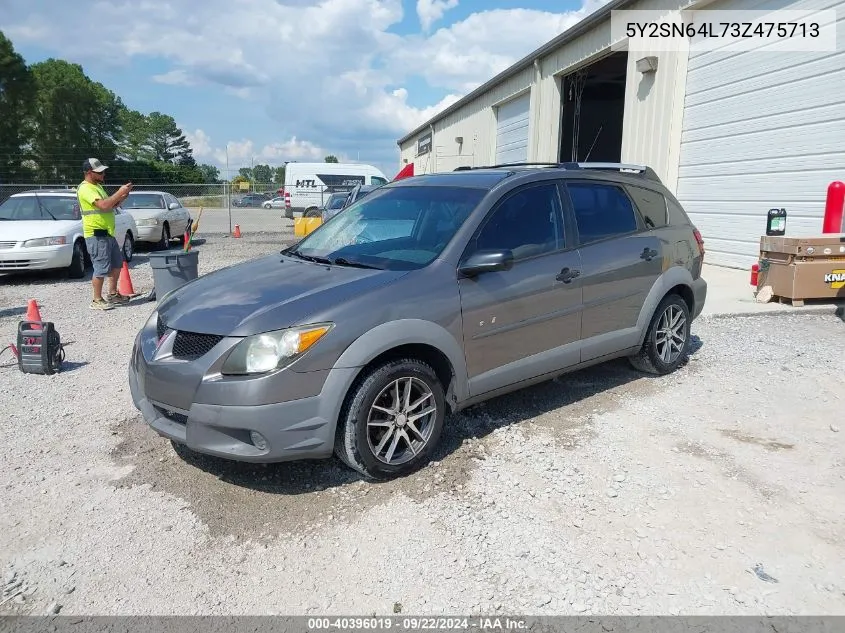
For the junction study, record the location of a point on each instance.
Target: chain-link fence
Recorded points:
(221, 195)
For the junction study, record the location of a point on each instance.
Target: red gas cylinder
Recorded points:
(755, 271)
(834, 208)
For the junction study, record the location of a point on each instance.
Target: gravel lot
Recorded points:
(603, 492)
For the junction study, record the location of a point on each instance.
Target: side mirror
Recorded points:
(486, 262)
(173, 205)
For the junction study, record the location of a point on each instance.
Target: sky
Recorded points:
(270, 81)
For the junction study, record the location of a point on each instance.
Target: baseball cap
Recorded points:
(94, 164)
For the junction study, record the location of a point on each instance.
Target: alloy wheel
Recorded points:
(401, 420)
(670, 335)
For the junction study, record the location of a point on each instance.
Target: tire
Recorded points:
(267, 205)
(128, 246)
(357, 443)
(652, 357)
(164, 242)
(312, 213)
(76, 270)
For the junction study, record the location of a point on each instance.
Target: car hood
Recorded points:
(269, 293)
(20, 230)
(141, 213)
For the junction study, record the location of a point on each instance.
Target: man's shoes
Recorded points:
(101, 304)
(116, 297)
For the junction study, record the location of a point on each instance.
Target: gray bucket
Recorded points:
(172, 269)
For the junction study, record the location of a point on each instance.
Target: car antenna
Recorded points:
(43, 208)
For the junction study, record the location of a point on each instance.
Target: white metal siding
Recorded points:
(512, 130)
(760, 130)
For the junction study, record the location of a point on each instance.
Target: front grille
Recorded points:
(190, 345)
(173, 416)
(7, 245)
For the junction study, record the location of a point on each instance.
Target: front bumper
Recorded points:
(189, 402)
(149, 233)
(40, 258)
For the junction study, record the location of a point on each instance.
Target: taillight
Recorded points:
(287, 198)
(699, 240)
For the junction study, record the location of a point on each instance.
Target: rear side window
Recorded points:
(601, 211)
(677, 216)
(652, 206)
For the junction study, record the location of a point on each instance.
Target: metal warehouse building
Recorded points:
(732, 134)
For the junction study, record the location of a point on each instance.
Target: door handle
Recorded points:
(648, 254)
(567, 274)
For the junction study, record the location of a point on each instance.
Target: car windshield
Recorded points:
(398, 228)
(336, 202)
(143, 201)
(43, 207)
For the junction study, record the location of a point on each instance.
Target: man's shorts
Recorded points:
(105, 254)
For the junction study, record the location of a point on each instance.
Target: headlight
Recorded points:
(263, 353)
(147, 222)
(46, 241)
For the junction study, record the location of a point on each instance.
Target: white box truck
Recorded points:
(308, 186)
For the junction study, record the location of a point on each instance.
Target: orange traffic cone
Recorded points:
(237, 230)
(33, 313)
(124, 283)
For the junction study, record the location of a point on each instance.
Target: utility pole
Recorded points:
(229, 196)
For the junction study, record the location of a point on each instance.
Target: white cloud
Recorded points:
(429, 11)
(245, 152)
(331, 75)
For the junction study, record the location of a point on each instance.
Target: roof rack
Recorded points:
(643, 170)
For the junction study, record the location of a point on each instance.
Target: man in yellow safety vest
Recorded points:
(97, 209)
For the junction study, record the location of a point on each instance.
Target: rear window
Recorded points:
(652, 206)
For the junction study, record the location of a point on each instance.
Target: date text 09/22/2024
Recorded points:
(417, 624)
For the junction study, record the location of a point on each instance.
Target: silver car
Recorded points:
(159, 216)
(428, 295)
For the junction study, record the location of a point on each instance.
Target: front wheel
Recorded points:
(76, 270)
(667, 342)
(392, 420)
(164, 242)
(128, 246)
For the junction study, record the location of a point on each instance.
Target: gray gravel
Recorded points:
(717, 490)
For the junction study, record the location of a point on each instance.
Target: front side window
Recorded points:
(378, 181)
(602, 211)
(400, 228)
(527, 222)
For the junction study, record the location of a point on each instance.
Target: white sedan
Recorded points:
(42, 230)
(159, 215)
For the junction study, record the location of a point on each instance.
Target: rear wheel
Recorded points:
(392, 419)
(667, 342)
(313, 212)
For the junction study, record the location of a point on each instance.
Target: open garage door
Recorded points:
(761, 130)
(593, 109)
(512, 130)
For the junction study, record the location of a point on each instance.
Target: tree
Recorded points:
(245, 173)
(74, 118)
(262, 173)
(210, 173)
(331, 159)
(165, 141)
(279, 176)
(17, 90)
(135, 135)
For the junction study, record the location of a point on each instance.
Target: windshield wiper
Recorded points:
(310, 258)
(340, 261)
(43, 208)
